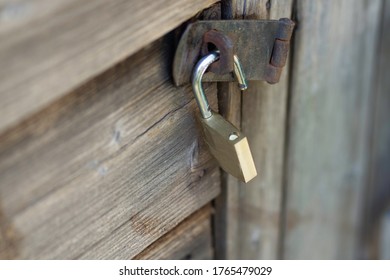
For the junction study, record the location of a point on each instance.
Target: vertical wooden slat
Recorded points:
(377, 219)
(250, 212)
(263, 121)
(384, 237)
(227, 204)
(331, 99)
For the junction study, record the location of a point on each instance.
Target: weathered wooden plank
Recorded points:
(227, 203)
(191, 239)
(331, 99)
(378, 193)
(248, 214)
(264, 122)
(109, 168)
(50, 47)
(384, 236)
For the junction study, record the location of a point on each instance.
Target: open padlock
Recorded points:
(226, 143)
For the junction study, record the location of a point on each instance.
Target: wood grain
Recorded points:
(108, 169)
(191, 239)
(51, 47)
(331, 103)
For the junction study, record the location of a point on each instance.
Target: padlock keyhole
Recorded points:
(233, 136)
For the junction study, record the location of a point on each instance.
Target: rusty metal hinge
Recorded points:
(261, 45)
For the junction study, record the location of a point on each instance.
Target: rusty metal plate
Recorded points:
(261, 45)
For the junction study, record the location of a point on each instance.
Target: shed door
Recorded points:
(101, 156)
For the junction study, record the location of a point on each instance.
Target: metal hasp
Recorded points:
(261, 45)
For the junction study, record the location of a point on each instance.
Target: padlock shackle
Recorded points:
(200, 69)
(200, 96)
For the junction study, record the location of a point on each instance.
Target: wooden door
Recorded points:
(101, 156)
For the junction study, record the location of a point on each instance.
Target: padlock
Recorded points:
(226, 143)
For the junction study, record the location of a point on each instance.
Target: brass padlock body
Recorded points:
(229, 147)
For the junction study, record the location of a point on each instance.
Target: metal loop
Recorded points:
(198, 73)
